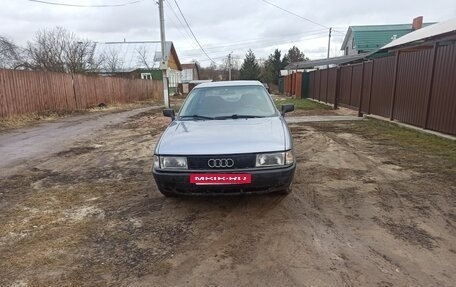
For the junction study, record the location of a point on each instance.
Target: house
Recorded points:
(190, 72)
(190, 77)
(442, 33)
(139, 60)
(370, 38)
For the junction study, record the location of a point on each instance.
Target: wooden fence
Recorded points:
(418, 87)
(25, 92)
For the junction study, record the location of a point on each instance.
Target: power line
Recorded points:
(257, 44)
(263, 41)
(87, 6)
(221, 55)
(184, 36)
(187, 34)
(299, 16)
(307, 33)
(215, 50)
(196, 39)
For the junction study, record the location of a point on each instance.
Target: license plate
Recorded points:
(220, 178)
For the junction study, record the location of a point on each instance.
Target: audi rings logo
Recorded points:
(220, 162)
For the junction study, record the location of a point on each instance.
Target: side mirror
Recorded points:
(169, 113)
(287, 108)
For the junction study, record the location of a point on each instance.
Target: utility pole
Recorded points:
(329, 41)
(229, 66)
(329, 46)
(164, 62)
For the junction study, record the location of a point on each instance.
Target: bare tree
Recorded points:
(9, 54)
(111, 61)
(143, 58)
(79, 56)
(59, 50)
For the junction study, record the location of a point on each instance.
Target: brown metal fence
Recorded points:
(332, 86)
(323, 85)
(345, 89)
(367, 87)
(293, 84)
(441, 113)
(382, 86)
(418, 87)
(318, 84)
(410, 95)
(24, 92)
(312, 86)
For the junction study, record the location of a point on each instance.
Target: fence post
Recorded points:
(327, 83)
(292, 84)
(315, 85)
(336, 94)
(74, 92)
(351, 86)
(430, 84)
(3, 106)
(370, 87)
(360, 113)
(393, 96)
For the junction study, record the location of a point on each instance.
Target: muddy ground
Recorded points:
(365, 211)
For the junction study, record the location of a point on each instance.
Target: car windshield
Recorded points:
(228, 102)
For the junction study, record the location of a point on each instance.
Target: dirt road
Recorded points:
(48, 138)
(364, 212)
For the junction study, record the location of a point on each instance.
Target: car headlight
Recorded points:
(274, 159)
(170, 162)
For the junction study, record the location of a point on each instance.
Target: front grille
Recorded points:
(240, 161)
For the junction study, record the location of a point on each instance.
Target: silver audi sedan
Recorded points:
(228, 138)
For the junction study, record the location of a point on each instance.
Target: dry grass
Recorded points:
(19, 121)
(423, 143)
(406, 147)
(122, 106)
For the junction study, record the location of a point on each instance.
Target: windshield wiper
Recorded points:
(199, 117)
(236, 116)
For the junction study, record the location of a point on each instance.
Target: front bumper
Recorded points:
(263, 181)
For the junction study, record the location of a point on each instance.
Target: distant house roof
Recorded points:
(437, 30)
(189, 66)
(130, 56)
(328, 61)
(369, 38)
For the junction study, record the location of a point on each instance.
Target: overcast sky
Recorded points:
(221, 26)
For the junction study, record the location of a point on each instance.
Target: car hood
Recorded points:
(231, 136)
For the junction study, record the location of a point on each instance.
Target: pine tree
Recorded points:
(267, 72)
(276, 62)
(250, 70)
(294, 55)
(270, 71)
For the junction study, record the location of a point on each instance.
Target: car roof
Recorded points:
(229, 84)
